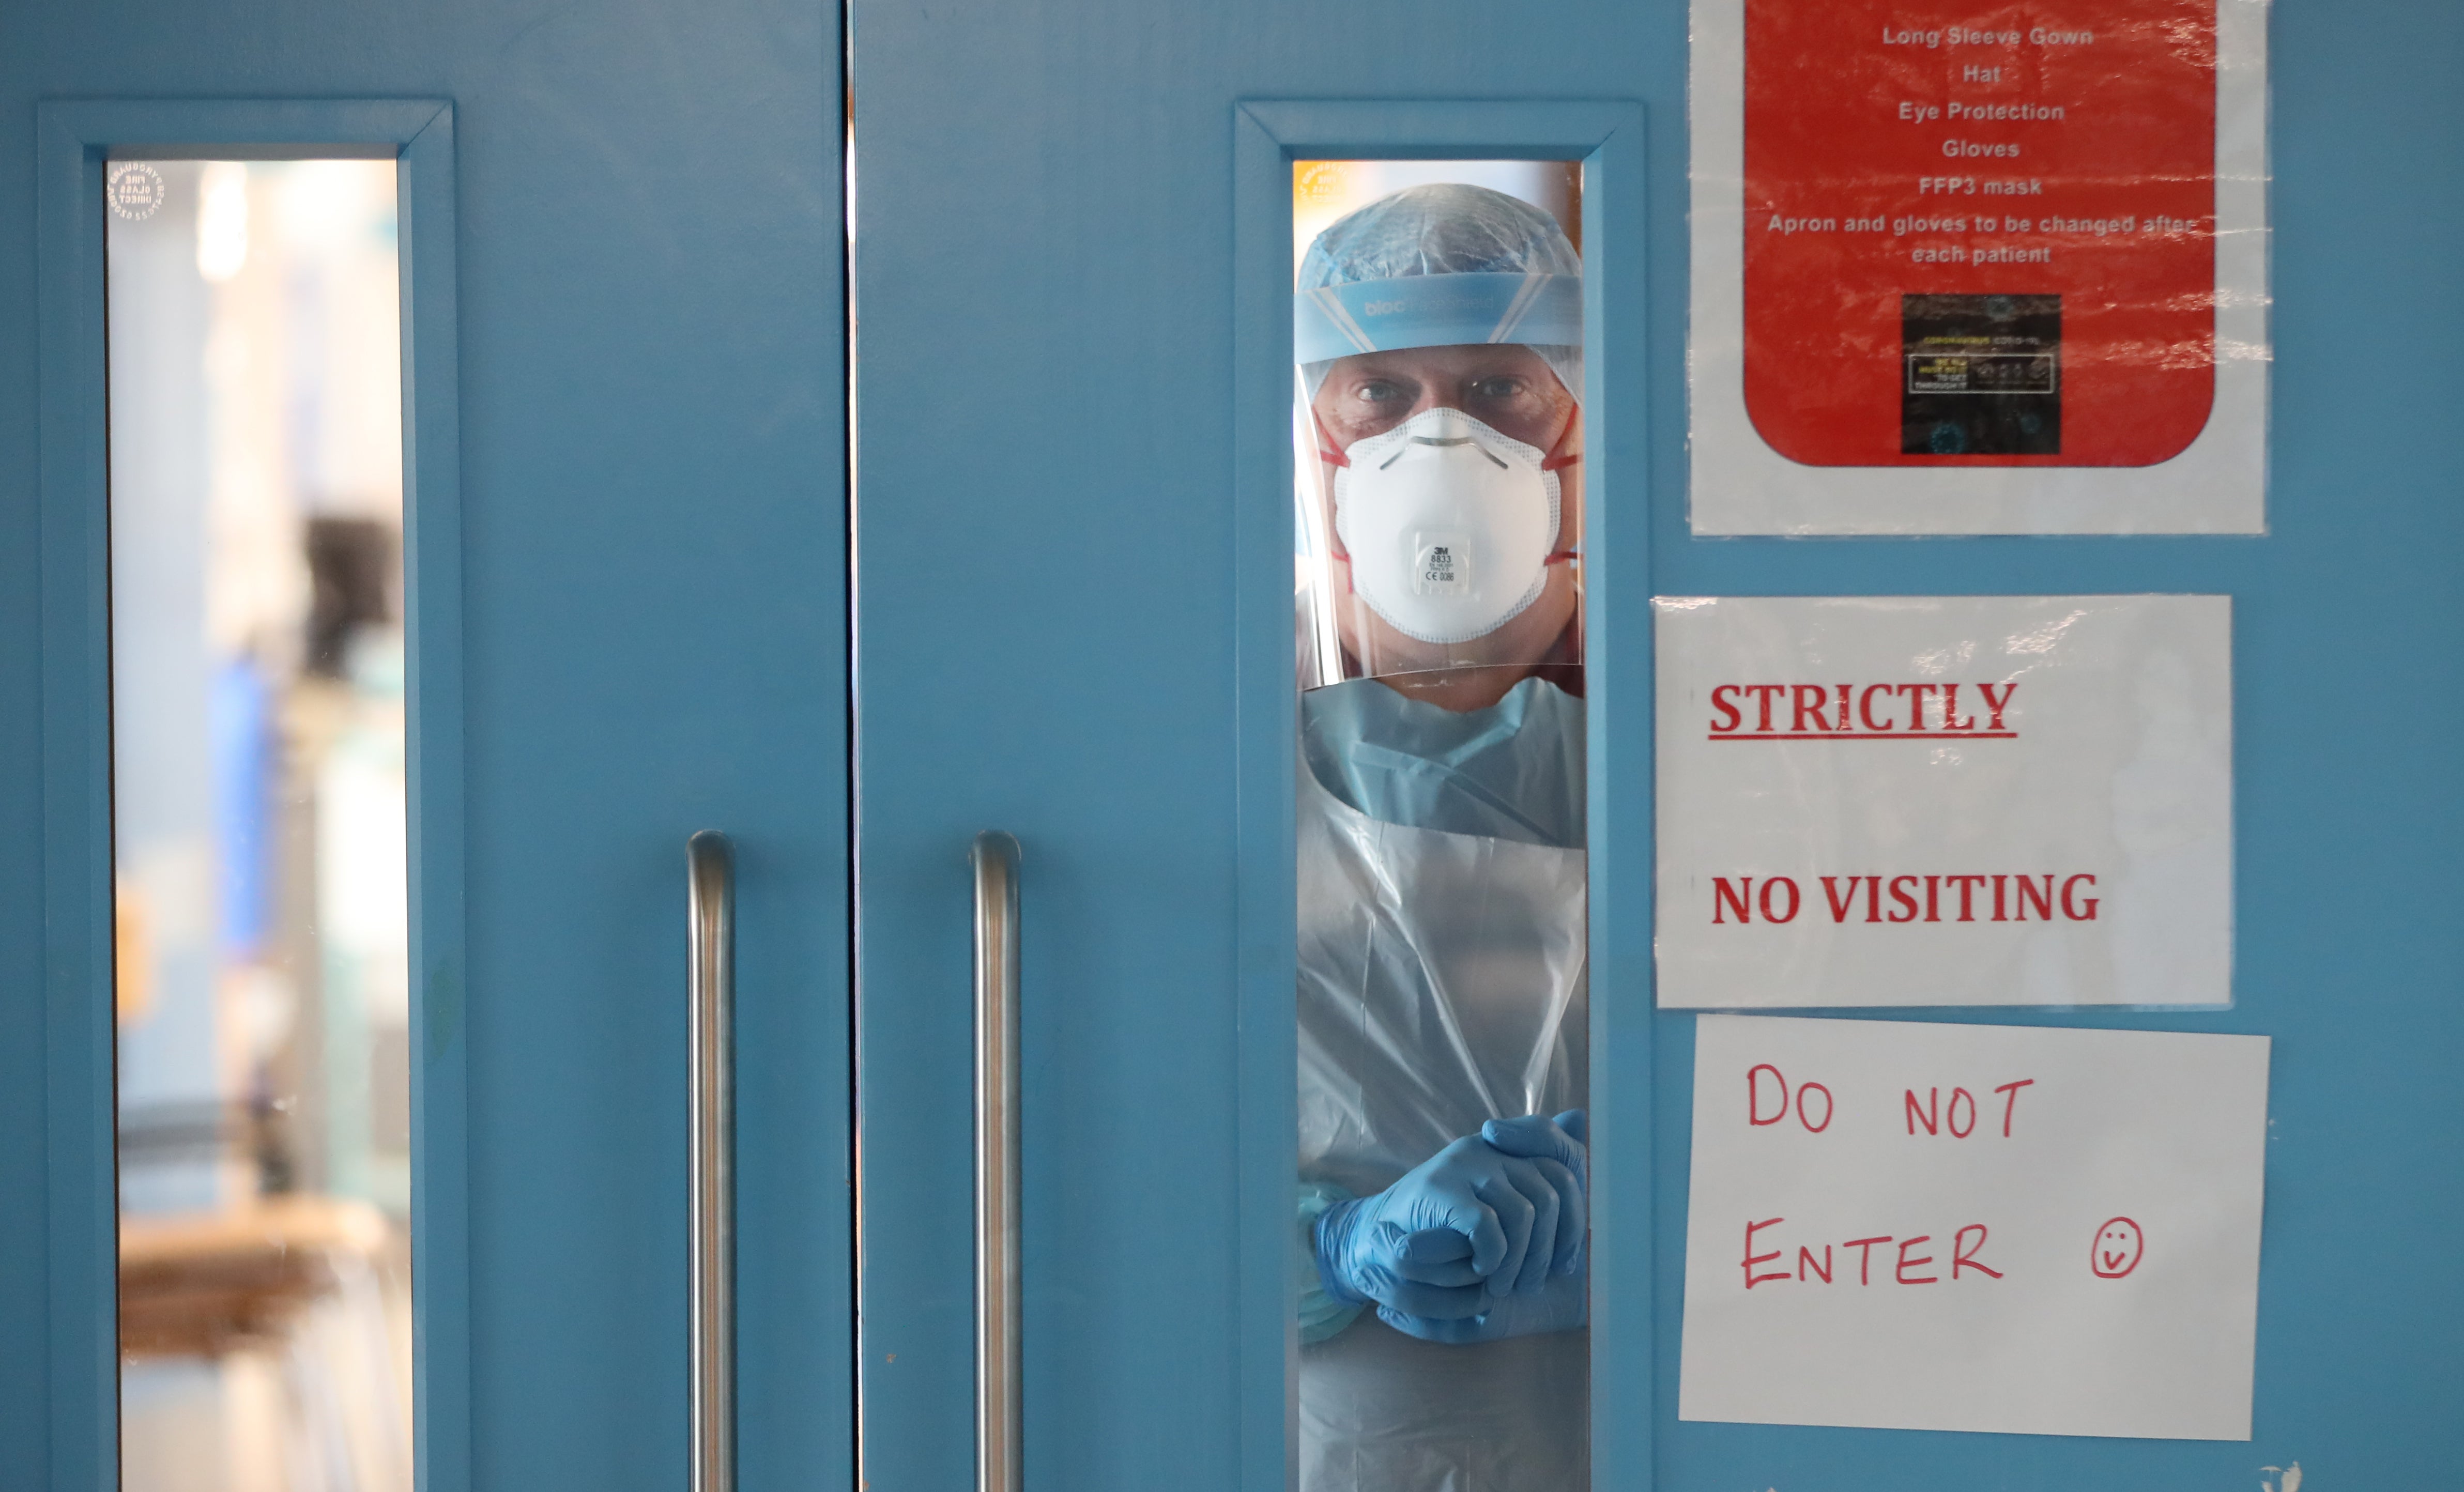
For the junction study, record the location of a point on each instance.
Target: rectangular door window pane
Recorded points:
(259, 834)
(1442, 985)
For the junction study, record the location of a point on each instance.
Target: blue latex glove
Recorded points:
(1565, 1139)
(1495, 1213)
(1562, 1305)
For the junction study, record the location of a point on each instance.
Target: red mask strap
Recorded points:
(1326, 451)
(1559, 463)
(1560, 460)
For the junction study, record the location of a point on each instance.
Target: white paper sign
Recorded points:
(1944, 801)
(1914, 1226)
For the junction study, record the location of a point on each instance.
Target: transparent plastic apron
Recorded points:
(1443, 982)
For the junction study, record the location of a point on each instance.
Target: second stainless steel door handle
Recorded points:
(998, 1464)
(709, 869)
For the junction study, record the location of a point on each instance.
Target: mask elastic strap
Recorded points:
(1326, 451)
(1560, 460)
(1559, 463)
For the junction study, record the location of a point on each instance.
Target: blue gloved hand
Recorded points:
(1565, 1139)
(1491, 1214)
(1562, 1305)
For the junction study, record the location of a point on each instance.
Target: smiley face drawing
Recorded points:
(2118, 1246)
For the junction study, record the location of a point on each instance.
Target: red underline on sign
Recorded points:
(1873, 735)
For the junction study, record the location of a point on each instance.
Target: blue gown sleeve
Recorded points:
(1321, 1314)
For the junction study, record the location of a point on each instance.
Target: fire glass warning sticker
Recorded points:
(1941, 205)
(1967, 238)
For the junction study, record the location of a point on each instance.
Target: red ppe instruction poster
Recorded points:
(1965, 268)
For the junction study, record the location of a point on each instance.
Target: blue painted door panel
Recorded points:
(642, 305)
(1071, 456)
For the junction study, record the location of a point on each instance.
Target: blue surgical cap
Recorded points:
(1441, 266)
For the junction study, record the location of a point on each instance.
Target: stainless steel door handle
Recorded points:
(710, 983)
(998, 1464)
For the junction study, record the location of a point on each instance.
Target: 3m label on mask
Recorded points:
(1922, 1226)
(1441, 563)
(1944, 801)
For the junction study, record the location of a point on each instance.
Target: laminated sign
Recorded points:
(1965, 268)
(1944, 801)
(1958, 1227)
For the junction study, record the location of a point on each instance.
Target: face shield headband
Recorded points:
(1436, 311)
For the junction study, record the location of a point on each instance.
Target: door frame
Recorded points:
(1608, 136)
(75, 1067)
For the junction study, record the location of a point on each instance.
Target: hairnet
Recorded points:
(1510, 268)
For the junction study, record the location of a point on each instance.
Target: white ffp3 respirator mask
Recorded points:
(1449, 525)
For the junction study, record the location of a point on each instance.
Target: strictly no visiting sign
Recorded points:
(1944, 801)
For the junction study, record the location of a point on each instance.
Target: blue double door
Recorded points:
(853, 544)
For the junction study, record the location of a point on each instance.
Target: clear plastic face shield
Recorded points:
(1437, 437)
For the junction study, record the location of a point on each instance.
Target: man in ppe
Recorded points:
(1441, 980)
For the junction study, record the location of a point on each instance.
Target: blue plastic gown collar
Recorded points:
(1514, 771)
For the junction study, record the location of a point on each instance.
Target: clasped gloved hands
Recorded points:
(1479, 1241)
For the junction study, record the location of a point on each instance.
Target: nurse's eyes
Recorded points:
(1502, 389)
(1508, 403)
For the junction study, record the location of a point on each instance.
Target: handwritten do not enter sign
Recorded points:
(1922, 1225)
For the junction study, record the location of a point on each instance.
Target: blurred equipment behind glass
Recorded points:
(259, 826)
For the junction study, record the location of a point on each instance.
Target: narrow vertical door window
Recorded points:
(260, 811)
(1444, 1202)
